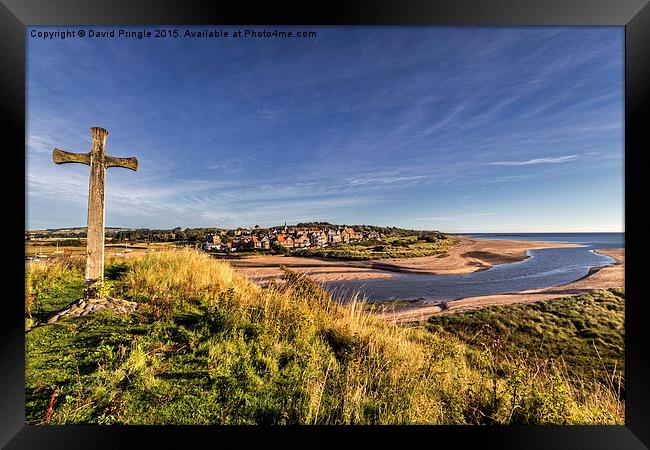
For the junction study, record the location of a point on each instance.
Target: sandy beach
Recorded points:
(470, 255)
(602, 278)
(260, 269)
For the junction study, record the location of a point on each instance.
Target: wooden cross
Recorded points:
(98, 161)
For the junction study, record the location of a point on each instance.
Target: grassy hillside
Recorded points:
(402, 247)
(207, 346)
(585, 332)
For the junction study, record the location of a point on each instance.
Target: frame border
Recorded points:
(634, 15)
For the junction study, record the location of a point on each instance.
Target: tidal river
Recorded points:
(543, 268)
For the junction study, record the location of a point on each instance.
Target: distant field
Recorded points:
(405, 247)
(49, 247)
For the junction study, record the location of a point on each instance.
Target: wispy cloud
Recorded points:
(480, 214)
(431, 219)
(511, 178)
(371, 123)
(41, 144)
(268, 113)
(383, 180)
(529, 162)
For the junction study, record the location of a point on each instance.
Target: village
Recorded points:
(287, 237)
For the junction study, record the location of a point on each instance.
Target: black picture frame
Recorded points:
(634, 15)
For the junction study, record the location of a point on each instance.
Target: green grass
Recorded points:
(406, 247)
(208, 347)
(50, 286)
(584, 332)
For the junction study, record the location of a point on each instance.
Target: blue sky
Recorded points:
(458, 129)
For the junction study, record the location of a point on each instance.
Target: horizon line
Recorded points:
(347, 224)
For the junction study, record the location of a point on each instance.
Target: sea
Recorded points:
(543, 268)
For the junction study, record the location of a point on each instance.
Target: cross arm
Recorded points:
(127, 163)
(62, 157)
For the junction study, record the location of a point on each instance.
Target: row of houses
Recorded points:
(288, 238)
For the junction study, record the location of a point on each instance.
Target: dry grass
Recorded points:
(289, 354)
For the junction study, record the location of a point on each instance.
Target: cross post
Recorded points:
(98, 162)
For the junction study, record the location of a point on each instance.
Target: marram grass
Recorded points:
(209, 347)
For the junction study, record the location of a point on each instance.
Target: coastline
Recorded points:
(470, 255)
(598, 278)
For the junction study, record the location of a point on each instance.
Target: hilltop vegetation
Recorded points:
(372, 242)
(389, 232)
(408, 246)
(193, 235)
(206, 347)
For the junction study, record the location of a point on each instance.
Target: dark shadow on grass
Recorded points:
(115, 271)
(194, 375)
(188, 320)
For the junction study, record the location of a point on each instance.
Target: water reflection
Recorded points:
(544, 268)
